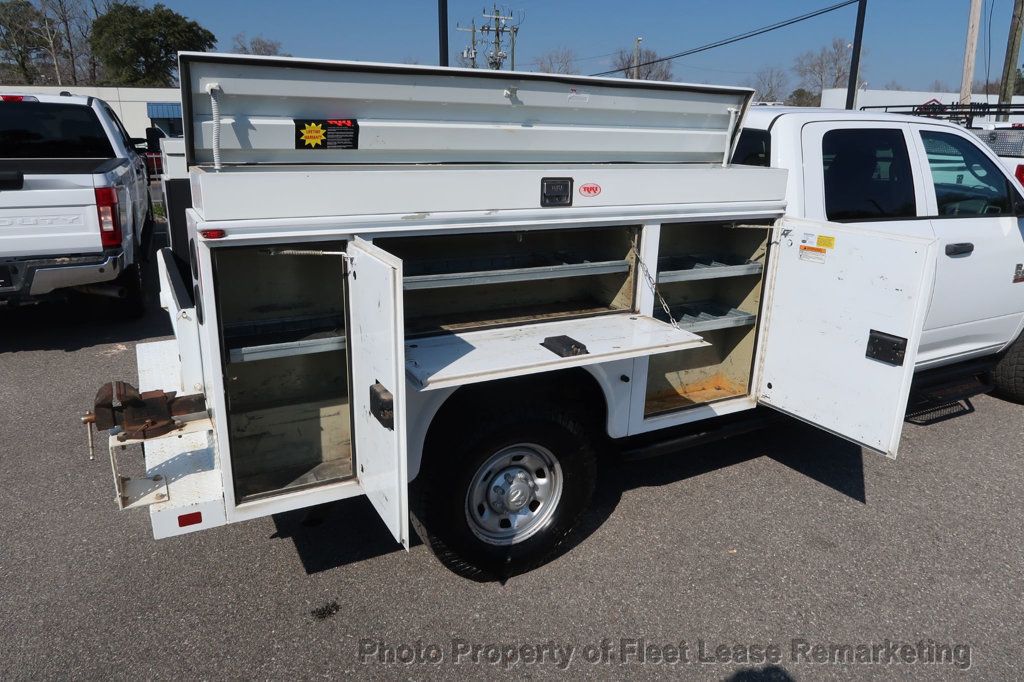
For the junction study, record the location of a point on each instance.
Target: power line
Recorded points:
(737, 38)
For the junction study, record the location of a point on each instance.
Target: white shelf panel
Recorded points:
(457, 359)
(707, 316)
(500, 276)
(268, 351)
(706, 268)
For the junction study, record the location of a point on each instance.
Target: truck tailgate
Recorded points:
(50, 214)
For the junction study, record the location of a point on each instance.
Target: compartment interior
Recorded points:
(711, 277)
(285, 368)
(476, 281)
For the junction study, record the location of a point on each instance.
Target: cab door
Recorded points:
(842, 325)
(376, 342)
(978, 302)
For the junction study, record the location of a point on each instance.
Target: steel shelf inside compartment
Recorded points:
(266, 339)
(457, 272)
(706, 316)
(696, 267)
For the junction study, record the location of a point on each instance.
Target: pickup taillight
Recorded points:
(110, 221)
(1019, 173)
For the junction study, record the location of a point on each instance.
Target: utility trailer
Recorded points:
(449, 290)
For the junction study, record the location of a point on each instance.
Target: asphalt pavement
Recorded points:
(786, 554)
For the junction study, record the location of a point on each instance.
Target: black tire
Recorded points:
(145, 244)
(451, 463)
(1008, 374)
(133, 305)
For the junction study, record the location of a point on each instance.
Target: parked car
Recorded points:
(75, 212)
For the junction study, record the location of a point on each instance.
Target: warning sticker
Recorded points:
(814, 254)
(1018, 275)
(826, 242)
(333, 133)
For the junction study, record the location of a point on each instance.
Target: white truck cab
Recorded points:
(447, 290)
(918, 177)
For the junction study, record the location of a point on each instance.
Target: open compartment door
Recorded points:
(376, 344)
(843, 322)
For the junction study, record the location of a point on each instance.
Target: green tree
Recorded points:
(138, 46)
(19, 41)
(802, 97)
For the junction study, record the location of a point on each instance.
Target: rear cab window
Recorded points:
(44, 130)
(754, 148)
(868, 175)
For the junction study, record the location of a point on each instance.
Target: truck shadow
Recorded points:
(82, 321)
(350, 531)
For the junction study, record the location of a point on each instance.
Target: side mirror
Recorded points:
(139, 143)
(153, 136)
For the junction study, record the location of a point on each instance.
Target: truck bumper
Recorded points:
(34, 277)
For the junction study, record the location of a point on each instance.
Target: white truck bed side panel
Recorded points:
(267, 193)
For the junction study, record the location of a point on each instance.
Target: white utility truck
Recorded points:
(75, 213)
(449, 290)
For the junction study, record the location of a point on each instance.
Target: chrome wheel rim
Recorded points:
(514, 494)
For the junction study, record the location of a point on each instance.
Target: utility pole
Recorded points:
(442, 32)
(514, 31)
(967, 79)
(1010, 62)
(636, 57)
(496, 57)
(858, 37)
(470, 52)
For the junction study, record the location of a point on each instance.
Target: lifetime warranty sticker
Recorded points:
(327, 133)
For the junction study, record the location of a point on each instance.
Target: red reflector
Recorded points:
(109, 217)
(213, 234)
(1019, 173)
(190, 519)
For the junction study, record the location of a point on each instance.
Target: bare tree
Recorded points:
(74, 23)
(979, 86)
(558, 60)
(829, 67)
(942, 86)
(893, 85)
(257, 45)
(658, 71)
(770, 84)
(50, 37)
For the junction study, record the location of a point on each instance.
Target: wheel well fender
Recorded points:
(595, 390)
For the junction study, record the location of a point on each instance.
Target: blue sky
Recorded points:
(912, 42)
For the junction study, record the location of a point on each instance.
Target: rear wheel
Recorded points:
(504, 496)
(1008, 374)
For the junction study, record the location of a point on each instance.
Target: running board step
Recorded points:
(951, 392)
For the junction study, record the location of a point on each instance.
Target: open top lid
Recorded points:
(300, 111)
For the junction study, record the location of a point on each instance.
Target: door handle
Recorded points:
(961, 249)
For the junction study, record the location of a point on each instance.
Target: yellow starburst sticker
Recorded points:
(313, 134)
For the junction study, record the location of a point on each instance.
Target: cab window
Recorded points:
(867, 175)
(754, 148)
(967, 183)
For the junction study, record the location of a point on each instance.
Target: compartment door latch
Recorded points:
(887, 348)
(382, 405)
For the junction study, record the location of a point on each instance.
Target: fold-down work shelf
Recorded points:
(465, 358)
